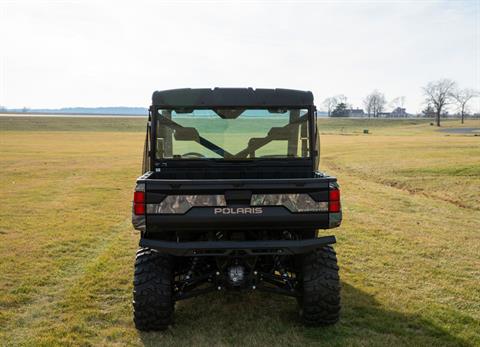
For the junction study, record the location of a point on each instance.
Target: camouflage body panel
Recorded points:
(179, 204)
(293, 202)
(139, 222)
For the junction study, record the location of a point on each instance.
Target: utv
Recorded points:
(231, 199)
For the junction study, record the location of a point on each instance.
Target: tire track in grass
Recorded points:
(404, 230)
(47, 240)
(37, 313)
(97, 308)
(395, 184)
(404, 249)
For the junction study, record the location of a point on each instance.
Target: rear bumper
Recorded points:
(227, 248)
(204, 218)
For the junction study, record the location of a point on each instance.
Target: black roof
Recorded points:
(219, 97)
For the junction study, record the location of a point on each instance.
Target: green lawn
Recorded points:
(409, 247)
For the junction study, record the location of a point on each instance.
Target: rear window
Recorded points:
(232, 133)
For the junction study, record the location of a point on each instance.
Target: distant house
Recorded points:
(356, 112)
(399, 112)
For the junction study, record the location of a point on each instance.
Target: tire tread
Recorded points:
(320, 304)
(153, 304)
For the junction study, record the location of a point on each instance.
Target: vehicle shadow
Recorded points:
(264, 319)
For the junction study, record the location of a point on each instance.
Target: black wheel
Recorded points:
(153, 303)
(320, 300)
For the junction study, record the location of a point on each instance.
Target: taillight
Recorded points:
(139, 203)
(334, 200)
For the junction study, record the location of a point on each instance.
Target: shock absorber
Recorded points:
(189, 274)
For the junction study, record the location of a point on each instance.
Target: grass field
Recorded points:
(409, 247)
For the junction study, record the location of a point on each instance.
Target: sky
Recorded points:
(114, 53)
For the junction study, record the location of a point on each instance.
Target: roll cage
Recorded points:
(226, 98)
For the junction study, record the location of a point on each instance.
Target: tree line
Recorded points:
(437, 95)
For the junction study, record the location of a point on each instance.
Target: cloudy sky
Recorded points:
(87, 53)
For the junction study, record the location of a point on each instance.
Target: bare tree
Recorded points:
(439, 94)
(462, 97)
(374, 103)
(368, 103)
(397, 102)
(341, 99)
(330, 104)
(428, 112)
(380, 103)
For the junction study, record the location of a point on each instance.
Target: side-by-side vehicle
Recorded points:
(231, 198)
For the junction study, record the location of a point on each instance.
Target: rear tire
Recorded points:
(320, 299)
(153, 304)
